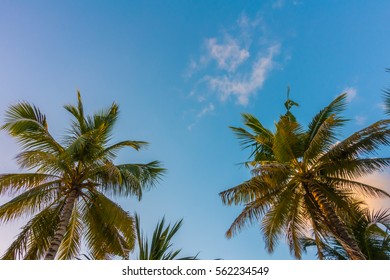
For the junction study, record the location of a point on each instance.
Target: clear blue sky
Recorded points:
(182, 72)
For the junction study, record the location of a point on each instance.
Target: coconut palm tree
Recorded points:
(371, 230)
(159, 247)
(306, 178)
(65, 192)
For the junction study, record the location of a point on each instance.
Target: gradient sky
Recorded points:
(182, 72)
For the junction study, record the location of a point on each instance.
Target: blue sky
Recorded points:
(182, 72)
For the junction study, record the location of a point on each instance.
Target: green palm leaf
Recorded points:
(304, 179)
(160, 246)
(66, 192)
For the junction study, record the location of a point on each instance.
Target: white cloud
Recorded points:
(203, 112)
(244, 86)
(351, 93)
(228, 55)
(232, 65)
(209, 108)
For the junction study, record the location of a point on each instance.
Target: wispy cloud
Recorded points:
(228, 54)
(208, 109)
(351, 93)
(232, 64)
(243, 86)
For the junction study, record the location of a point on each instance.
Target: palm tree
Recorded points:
(160, 246)
(64, 195)
(306, 178)
(371, 231)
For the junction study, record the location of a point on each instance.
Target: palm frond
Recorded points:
(43, 162)
(29, 202)
(160, 246)
(296, 225)
(113, 149)
(33, 240)
(357, 187)
(353, 169)
(71, 244)
(276, 217)
(287, 141)
(79, 127)
(13, 183)
(28, 125)
(322, 140)
(133, 180)
(336, 107)
(110, 228)
(361, 143)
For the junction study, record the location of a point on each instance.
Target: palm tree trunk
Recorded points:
(338, 228)
(61, 229)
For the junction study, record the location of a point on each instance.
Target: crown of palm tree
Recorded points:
(303, 178)
(64, 195)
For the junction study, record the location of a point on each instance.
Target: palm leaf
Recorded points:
(71, 243)
(33, 240)
(29, 202)
(160, 246)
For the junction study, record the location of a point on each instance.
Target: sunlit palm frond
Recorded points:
(135, 178)
(275, 219)
(357, 187)
(14, 183)
(353, 169)
(287, 145)
(261, 142)
(71, 244)
(111, 151)
(252, 211)
(29, 202)
(110, 229)
(296, 226)
(334, 109)
(29, 126)
(43, 162)
(34, 238)
(361, 143)
(160, 247)
(247, 191)
(322, 140)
